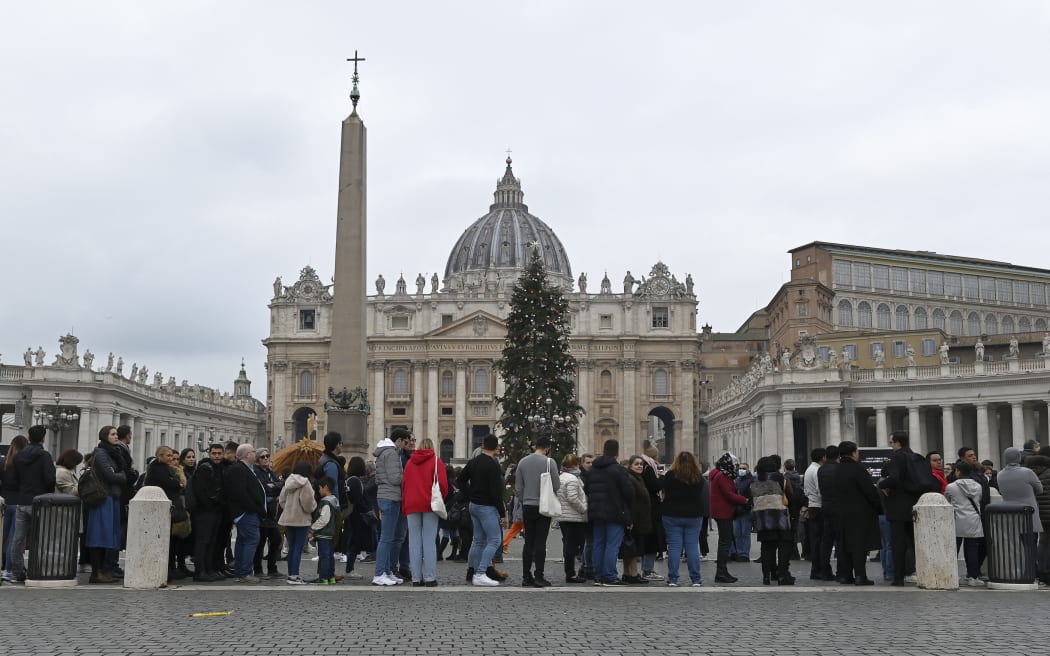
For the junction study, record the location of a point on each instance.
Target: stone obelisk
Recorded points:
(348, 407)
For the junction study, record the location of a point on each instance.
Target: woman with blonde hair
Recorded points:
(161, 472)
(683, 507)
(422, 470)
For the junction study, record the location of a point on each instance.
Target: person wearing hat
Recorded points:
(724, 501)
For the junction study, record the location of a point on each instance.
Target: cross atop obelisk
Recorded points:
(355, 95)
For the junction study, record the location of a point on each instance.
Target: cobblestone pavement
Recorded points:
(354, 617)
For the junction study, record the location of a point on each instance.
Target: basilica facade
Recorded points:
(432, 347)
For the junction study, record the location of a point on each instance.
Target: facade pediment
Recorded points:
(473, 326)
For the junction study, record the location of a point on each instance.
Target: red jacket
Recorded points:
(939, 475)
(724, 498)
(419, 477)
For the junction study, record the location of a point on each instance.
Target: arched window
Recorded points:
(1008, 325)
(481, 381)
(938, 318)
(845, 313)
(400, 383)
(903, 318)
(882, 316)
(1024, 324)
(991, 325)
(605, 383)
(306, 383)
(864, 315)
(920, 318)
(973, 324)
(661, 383)
(955, 323)
(448, 384)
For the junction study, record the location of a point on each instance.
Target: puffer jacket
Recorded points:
(1040, 464)
(390, 472)
(572, 497)
(297, 501)
(965, 496)
(609, 493)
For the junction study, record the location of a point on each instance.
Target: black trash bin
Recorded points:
(1011, 541)
(53, 534)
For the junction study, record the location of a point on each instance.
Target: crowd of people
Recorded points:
(617, 517)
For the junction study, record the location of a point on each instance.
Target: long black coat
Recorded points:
(609, 492)
(858, 505)
(895, 477)
(244, 492)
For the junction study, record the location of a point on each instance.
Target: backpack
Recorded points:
(91, 490)
(919, 478)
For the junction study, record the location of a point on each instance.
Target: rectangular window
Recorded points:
(398, 412)
(802, 309)
(851, 351)
(929, 347)
(399, 322)
(875, 346)
(307, 320)
(481, 410)
(970, 287)
(446, 319)
(447, 412)
(1020, 292)
(898, 349)
(1038, 295)
(881, 274)
(824, 352)
(1004, 290)
(987, 289)
(843, 273)
(935, 283)
(605, 321)
(918, 281)
(862, 275)
(952, 284)
(660, 318)
(900, 279)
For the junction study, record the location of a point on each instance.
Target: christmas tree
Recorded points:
(540, 396)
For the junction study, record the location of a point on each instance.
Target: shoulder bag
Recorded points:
(437, 502)
(550, 506)
(91, 490)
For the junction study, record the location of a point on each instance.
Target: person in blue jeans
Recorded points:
(324, 530)
(247, 502)
(683, 506)
(740, 549)
(389, 476)
(482, 481)
(609, 498)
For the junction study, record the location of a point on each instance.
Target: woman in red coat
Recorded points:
(724, 501)
(422, 470)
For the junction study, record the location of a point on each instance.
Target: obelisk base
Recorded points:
(353, 426)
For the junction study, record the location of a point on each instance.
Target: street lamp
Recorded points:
(547, 423)
(57, 418)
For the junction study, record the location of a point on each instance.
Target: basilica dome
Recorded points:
(494, 250)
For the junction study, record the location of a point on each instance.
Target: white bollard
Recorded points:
(936, 556)
(149, 533)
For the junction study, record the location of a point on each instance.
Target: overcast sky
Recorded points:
(160, 165)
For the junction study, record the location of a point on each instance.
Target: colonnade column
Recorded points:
(461, 438)
(915, 433)
(787, 434)
(1017, 423)
(86, 437)
(417, 402)
(769, 431)
(378, 402)
(948, 433)
(882, 438)
(983, 444)
(432, 402)
(834, 426)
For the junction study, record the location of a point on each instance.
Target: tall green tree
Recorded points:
(536, 365)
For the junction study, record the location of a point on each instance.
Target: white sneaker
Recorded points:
(382, 579)
(361, 556)
(697, 585)
(482, 580)
(653, 576)
(672, 584)
(395, 578)
(295, 580)
(975, 583)
(911, 578)
(7, 576)
(353, 576)
(340, 558)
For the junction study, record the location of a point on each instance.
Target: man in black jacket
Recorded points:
(34, 474)
(205, 500)
(246, 499)
(900, 498)
(269, 534)
(482, 480)
(609, 497)
(831, 535)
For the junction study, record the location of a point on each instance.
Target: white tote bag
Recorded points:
(549, 504)
(437, 503)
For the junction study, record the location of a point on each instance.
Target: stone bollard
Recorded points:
(936, 556)
(149, 534)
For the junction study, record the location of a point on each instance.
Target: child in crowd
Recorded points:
(323, 530)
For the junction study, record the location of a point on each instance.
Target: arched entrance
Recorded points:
(301, 417)
(661, 433)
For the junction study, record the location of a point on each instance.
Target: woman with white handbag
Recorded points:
(423, 490)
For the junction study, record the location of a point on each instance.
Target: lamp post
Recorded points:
(57, 418)
(548, 423)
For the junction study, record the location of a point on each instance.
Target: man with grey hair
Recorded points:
(247, 502)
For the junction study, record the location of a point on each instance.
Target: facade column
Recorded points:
(834, 426)
(584, 431)
(882, 438)
(378, 402)
(983, 445)
(629, 429)
(915, 433)
(1017, 423)
(948, 433)
(787, 434)
(461, 438)
(687, 442)
(501, 389)
(279, 403)
(433, 367)
(417, 402)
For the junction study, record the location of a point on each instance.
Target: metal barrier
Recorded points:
(53, 534)
(1011, 542)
